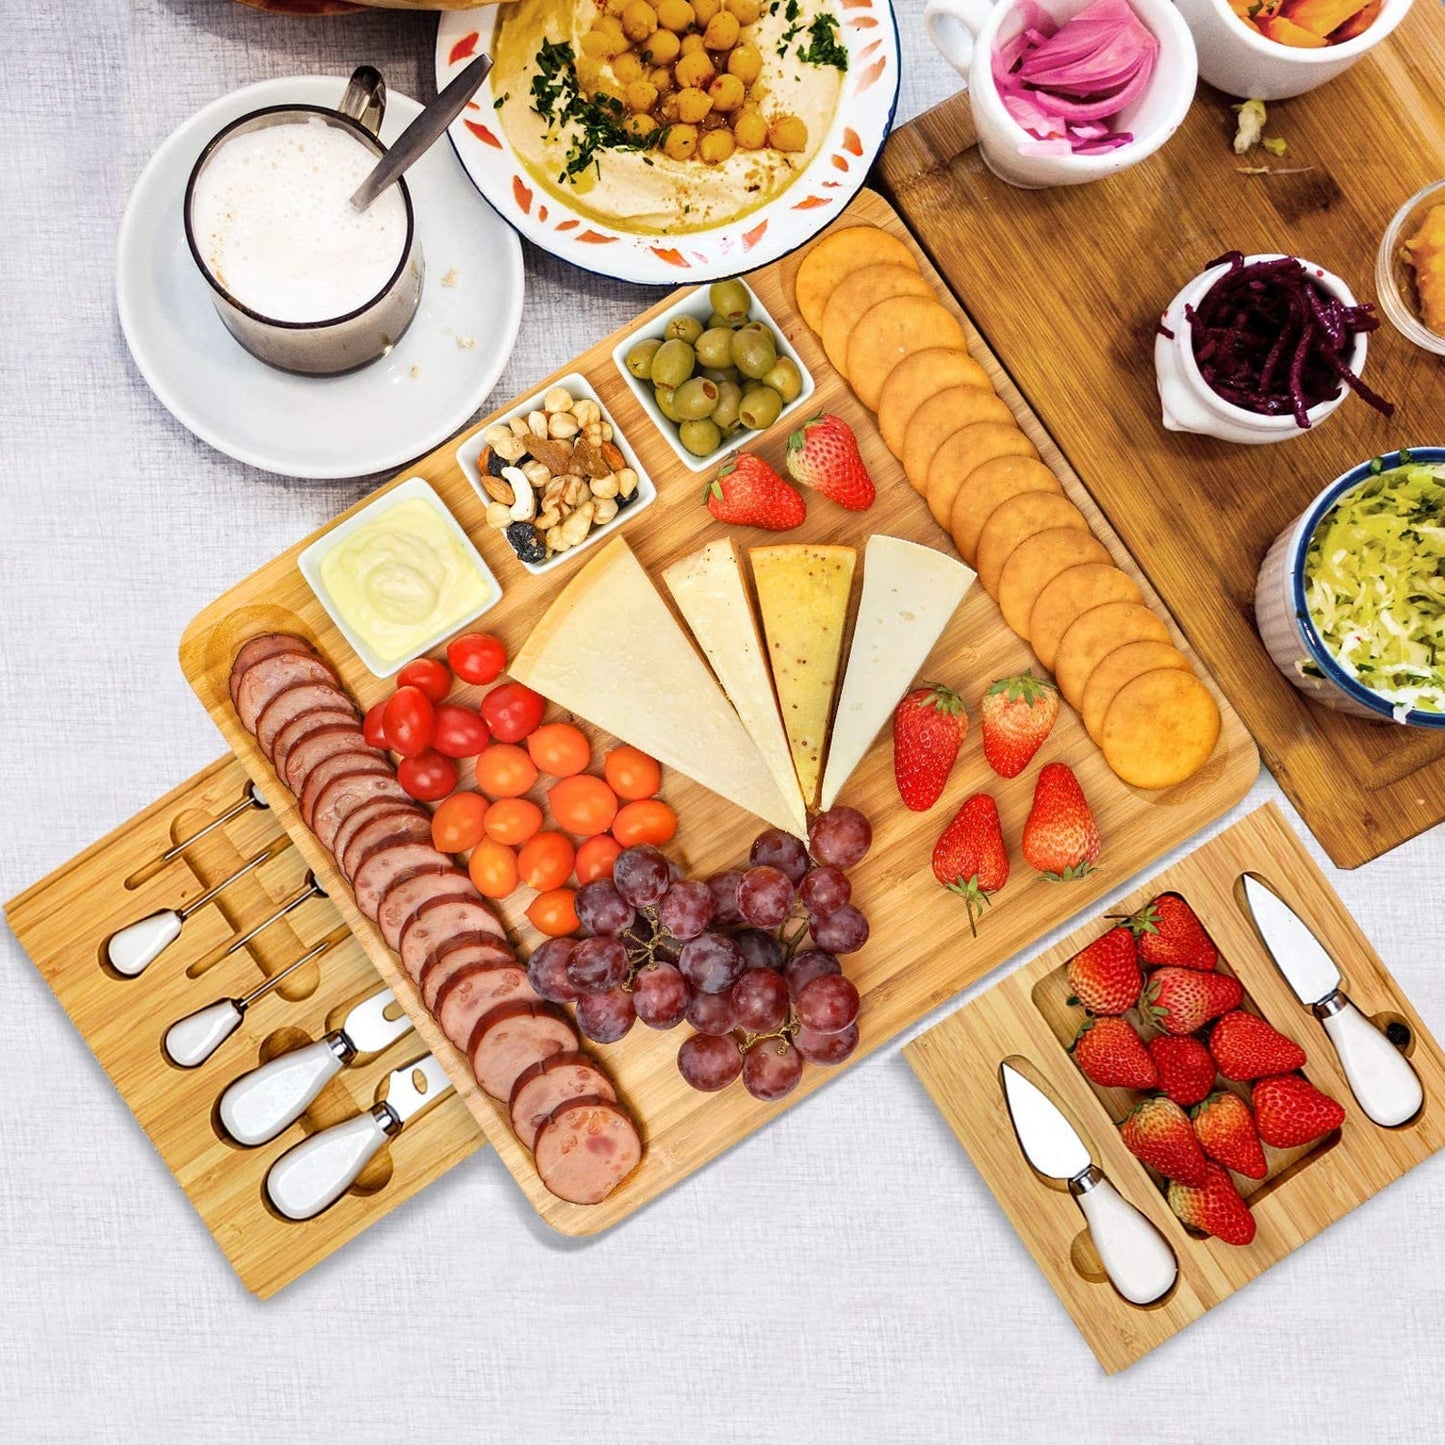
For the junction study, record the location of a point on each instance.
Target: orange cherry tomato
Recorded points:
(631, 773)
(554, 913)
(648, 820)
(582, 805)
(493, 868)
(546, 861)
(559, 749)
(459, 823)
(513, 820)
(505, 771)
(595, 857)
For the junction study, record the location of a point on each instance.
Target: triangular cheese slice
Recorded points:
(803, 597)
(712, 595)
(609, 650)
(909, 595)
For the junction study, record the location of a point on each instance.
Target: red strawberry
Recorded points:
(1112, 1054)
(1290, 1111)
(1186, 1071)
(970, 857)
(1182, 1000)
(1225, 1130)
(1214, 1208)
(823, 454)
(1159, 1133)
(1169, 932)
(749, 493)
(1061, 838)
(929, 726)
(1245, 1047)
(1018, 713)
(1105, 976)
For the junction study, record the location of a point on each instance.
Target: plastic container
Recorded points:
(1395, 281)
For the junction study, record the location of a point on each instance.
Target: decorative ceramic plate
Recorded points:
(857, 130)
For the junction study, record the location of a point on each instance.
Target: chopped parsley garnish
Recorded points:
(501, 100)
(823, 46)
(793, 14)
(557, 97)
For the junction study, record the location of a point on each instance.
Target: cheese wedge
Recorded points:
(610, 650)
(909, 595)
(712, 595)
(803, 597)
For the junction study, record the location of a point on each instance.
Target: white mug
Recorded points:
(967, 32)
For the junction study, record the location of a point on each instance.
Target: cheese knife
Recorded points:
(1137, 1258)
(1382, 1079)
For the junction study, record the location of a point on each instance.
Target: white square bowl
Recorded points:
(310, 564)
(469, 457)
(696, 304)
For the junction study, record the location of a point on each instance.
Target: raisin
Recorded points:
(526, 542)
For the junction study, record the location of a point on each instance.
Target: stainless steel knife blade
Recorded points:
(1050, 1143)
(1310, 971)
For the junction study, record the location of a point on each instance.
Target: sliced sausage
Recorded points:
(474, 992)
(586, 1149)
(324, 743)
(268, 644)
(512, 1037)
(302, 727)
(389, 866)
(453, 955)
(550, 1083)
(437, 921)
(263, 680)
(343, 765)
(286, 707)
(344, 796)
(406, 895)
(385, 830)
(365, 812)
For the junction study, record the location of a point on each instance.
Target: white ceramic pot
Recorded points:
(967, 32)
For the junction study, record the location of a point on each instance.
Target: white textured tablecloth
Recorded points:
(843, 1275)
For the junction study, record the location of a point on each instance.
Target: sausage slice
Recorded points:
(436, 921)
(406, 895)
(368, 811)
(343, 796)
(287, 706)
(266, 679)
(550, 1083)
(301, 726)
(386, 829)
(454, 954)
(390, 866)
(473, 992)
(325, 743)
(344, 765)
(586, 1149)
(512, 1037)
(268, 644)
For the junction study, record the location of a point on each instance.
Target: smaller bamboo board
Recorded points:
(64, 921)
(1027, 1020)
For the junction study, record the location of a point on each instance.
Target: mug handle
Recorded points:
(954, 26)
(365, 98)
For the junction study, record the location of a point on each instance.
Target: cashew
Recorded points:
(519, 427)
(606, 511)
(577, 526)
(524, 504)
(559, 399)
(548, 519)
(626, 482)
(605, 487)
(575, 491)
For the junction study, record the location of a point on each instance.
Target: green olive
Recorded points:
(760, 408)
(700, 436)
(673, 362)
(683, 328)
(639, 359)
(785, 379)
(718, 320)
(729, 398)
(730, 299)
(695, 399)
(715, 347)
(663, 395)
(754, 352)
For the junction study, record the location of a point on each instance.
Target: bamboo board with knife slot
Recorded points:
(920, 952)
(64, 923)
(1028, 1020)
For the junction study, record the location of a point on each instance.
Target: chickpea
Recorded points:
(746, 62)
(610, 25)
(639, 20)
(726, 92)
(675, 15)
(693, 105)
(597, 44)
(661, 48)
(692, 45)
(750, 130)
(745, 11)
(681, 142)
(704, 10)
(615, 7)
(662, 80)
(668, 109)
(716, 146)
(722, 31)
(640, 96)
(788, 133)
(627, 67)
(641, 125)
(694, 70)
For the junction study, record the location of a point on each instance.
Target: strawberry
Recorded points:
(1105, 976)
(1213, 1207)
(1061, 838)
(823, 454)
(1290, 1111)
(1169, 932)
(970, 857)
(1018, 713)
(1225, 1129)
(929, 726)
(1245, 1047)
(1159, 1133)
(748, 493)
(1186, 1071)
(1181, 1000)
(1112, 1054)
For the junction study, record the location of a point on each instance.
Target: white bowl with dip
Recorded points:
(399, 577)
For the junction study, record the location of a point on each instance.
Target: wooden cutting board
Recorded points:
(1027, 1019)
(1067, 286)
(920, 952)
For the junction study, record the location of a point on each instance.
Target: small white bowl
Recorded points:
(1393, 282)
(469, 456)
(1190, 404)
(696, 304)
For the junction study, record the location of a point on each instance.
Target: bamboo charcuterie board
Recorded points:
(1027, 1017)
(1068, 284)
(920, 952)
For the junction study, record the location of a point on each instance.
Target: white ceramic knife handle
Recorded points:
(136, 947)
(1383, 1080)
(192, 1040)
(319, 1170)
(259, 1105)
(1135, 1255)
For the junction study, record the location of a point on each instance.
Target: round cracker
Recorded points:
(1071, 593)
(1160, 729)
(1016, 521)
(914, 380)
(837, 256)
(939, 417)
(892, 330)
(987, 488)
(1093, 635)
(1035, 562)
(1118, 670)
(858, 292)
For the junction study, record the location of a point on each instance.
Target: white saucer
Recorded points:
(370, 420)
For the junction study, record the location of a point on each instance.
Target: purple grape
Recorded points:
(547, 971)
(724, 889)
(804, 967)
(709, 1062)
(601, 909)
(841, 836)
(597, 964)
(772, 1069)
(686, 909)
(828, 1004)
(824, 890)
(641, 875)
(760, 949)
(765, 895)
(774, 848)
(712, 1013)
(605, 1017)
(660, 995)
(711, 962)
(845, 931)
(826, 1048)
(760, 1000)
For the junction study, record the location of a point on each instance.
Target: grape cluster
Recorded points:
(725, 954)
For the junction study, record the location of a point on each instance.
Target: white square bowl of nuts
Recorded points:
(556, 474)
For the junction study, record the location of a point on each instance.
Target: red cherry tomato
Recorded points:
(432, 677)
(596, 856)
(460, 732)
(428, 776)
(477, 657)
(409, 721)
(374, 728)
(512, 711)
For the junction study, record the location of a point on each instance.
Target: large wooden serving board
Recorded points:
(920, 952)
(1068, 284)
(1027, 1019)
